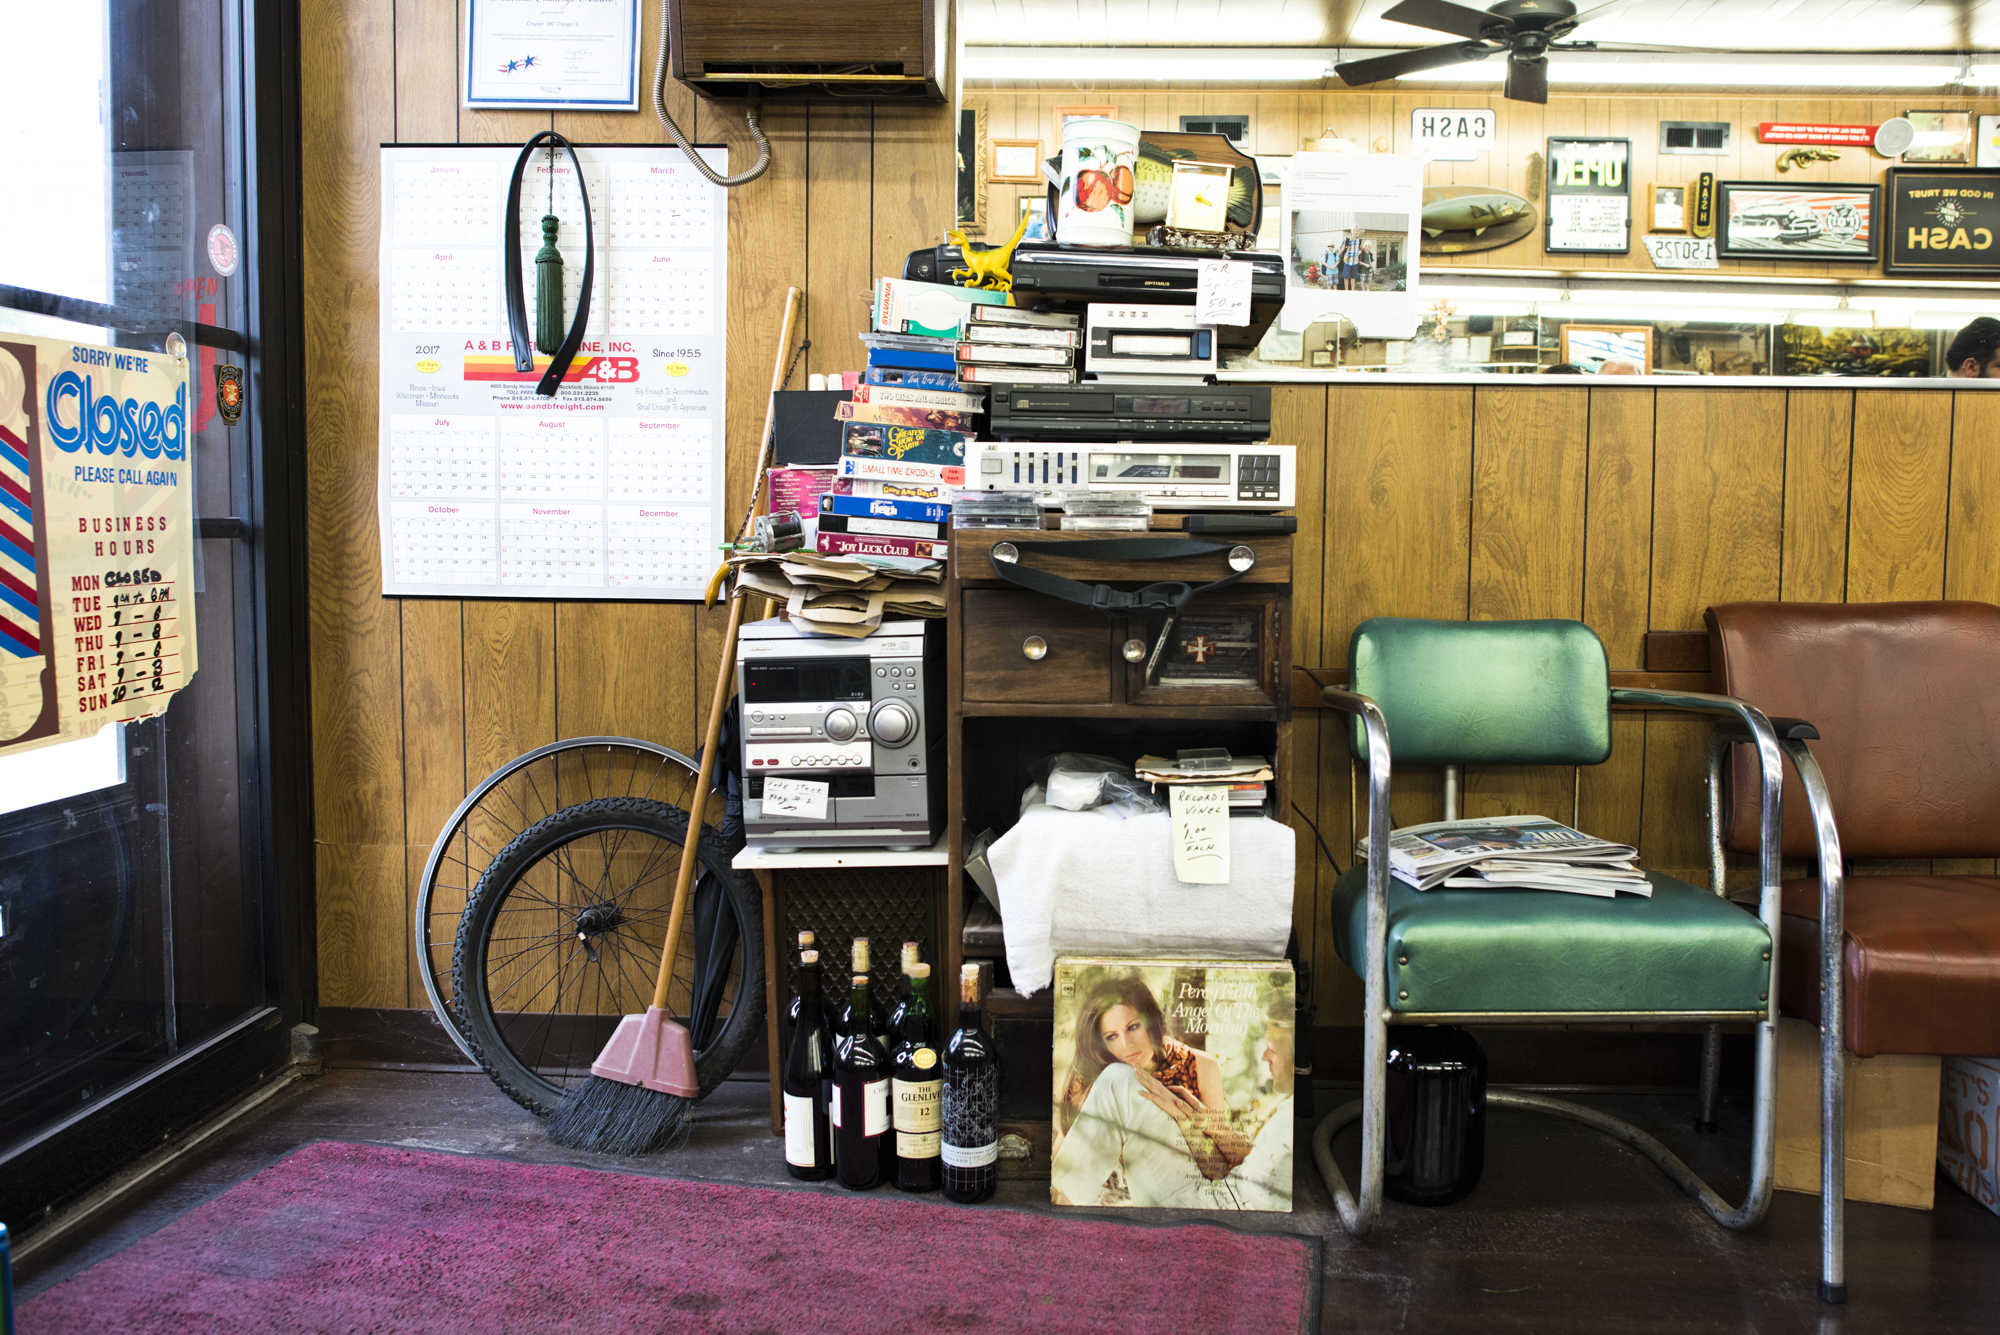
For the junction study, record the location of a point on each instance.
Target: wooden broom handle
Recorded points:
(719, 701)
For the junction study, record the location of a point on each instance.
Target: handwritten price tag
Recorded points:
(801, 799)
(1201, 832)
(1222, 292)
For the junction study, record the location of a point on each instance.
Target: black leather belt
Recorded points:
(1166, 596)
(517, 303)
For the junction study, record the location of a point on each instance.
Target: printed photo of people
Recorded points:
(1173, 1084)
(1347, 251)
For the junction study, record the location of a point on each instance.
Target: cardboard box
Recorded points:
(1892, 1121)
(1969, 1129)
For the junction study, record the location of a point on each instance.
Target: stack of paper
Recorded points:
(1230, 770)
(1511, 852)
(843, 595)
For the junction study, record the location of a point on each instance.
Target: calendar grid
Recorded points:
(487, 489)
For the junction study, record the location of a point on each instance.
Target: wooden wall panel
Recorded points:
(1972, 558)
(1819, 448)
(1902, 475)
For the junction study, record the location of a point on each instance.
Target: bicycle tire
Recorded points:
(595, 936)
(527, 788)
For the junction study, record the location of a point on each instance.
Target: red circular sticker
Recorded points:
(222, 252)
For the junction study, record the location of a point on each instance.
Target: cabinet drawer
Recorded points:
(1075, 669)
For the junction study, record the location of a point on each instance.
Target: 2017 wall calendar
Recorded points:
(613, 487)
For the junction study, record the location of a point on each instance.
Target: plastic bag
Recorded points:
(1078, 782)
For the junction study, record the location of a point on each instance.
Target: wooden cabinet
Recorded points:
(1023, 648)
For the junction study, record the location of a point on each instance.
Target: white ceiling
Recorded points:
(1731, 25)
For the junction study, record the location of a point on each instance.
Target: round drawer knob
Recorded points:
(1006, 551)
(1034, 648)
(1242, 557)
(1134, 650)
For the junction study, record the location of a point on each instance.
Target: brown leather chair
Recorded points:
(1906, 700)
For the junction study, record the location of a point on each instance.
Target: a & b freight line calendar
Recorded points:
(610, 489)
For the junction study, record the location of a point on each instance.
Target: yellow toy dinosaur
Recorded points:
(987, 266)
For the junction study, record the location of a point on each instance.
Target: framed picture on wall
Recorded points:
(1014, 162)
(971, 180)
(1064, 115)
(1608, 349)
(1035, 208)
(1943, 222)
(1944, 139)
(1986, 152)
(1589, 197)
(1774, 220)
(1669, 208)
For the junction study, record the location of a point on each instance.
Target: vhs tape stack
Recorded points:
(1009, 345)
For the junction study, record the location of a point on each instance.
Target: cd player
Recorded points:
(1100, 411)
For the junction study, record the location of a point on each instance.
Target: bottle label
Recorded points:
(971, 1156)
(919, 1105)
(923, 1059)
(918, 1144)
(799, 1131)
(875, 1105)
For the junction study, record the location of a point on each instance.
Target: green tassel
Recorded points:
(549, 327)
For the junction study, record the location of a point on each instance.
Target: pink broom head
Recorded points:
(650, 1050)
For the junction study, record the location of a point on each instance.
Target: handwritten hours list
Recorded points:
(613, 487)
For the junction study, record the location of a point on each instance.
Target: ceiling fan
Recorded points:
(1524, 29)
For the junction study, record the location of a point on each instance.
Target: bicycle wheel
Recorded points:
(527, 789)
(563, 936)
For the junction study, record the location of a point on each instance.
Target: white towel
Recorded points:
(1090, 883)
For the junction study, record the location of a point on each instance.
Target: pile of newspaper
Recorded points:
(1512, 853)
(843, 595)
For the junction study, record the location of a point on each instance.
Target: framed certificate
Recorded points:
(525, 53)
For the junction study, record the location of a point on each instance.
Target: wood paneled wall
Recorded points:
(1280, 120)
(1631, 509)
(415, 700)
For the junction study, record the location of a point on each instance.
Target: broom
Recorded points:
(643, 1084)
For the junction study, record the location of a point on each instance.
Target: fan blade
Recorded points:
(1357, 72)
(1527, 80)
(1442, 16)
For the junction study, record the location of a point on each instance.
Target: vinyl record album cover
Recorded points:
(1173, 1084)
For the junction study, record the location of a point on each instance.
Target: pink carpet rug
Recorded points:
(359, 1238)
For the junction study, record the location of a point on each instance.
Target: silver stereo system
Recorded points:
(865, 717)
(1259, 476)
(1147, 344)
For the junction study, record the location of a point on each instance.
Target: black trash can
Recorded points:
(1436, 1115)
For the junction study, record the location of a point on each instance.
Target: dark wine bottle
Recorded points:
(916, 1088)
(860, 1100)
(792, 1006)
(808, 1069)
(971, 1115)
(895, 1028)
(874, 1021)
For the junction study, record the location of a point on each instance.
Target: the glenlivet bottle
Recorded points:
(860, 1101)
(971, 1149)
(916, 1089)
(808, 1077)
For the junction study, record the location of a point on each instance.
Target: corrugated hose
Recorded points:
(751, 115)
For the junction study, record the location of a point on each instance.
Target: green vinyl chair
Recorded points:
(1452, 693)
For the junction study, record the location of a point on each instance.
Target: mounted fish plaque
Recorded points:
(1457, 219)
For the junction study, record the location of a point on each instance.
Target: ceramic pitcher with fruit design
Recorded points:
(1094, 184)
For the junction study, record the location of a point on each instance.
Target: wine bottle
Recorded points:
(861, 1100)
(916, 1088)
(808, 1068)
(873, 1020)
(895, 1028)
(806, 942)
(971, 1114)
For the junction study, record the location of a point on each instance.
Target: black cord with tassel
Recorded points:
(549, 275)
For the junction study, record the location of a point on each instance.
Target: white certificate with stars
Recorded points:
(612, 488)
(552, 53)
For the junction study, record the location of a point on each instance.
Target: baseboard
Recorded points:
(415, 1040)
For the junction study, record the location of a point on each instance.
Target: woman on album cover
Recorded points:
(1140, 1104)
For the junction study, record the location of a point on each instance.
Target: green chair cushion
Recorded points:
(1484, 692)
(1538, 950)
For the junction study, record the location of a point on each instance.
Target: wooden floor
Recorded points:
(1567, 1232)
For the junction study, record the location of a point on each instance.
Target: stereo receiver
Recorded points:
(1097, 411)
(863, 717)
(1220, 476)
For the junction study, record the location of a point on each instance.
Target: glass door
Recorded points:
(150, 966)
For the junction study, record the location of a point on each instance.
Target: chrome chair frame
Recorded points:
(1360, 1210)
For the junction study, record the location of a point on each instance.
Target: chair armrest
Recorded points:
(1788, 730)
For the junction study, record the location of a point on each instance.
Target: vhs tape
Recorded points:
(853, 544)
(879, 507)
(906, 444)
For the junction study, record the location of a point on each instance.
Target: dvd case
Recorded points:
(1173, 1084)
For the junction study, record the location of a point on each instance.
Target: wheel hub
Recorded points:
(598, 919)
